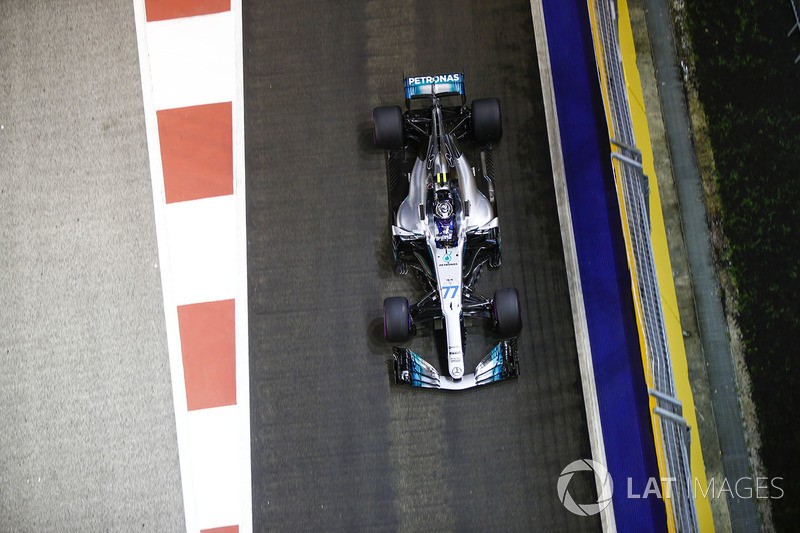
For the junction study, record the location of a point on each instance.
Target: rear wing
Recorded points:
(441, 85)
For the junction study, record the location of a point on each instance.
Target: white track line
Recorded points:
(242, 319)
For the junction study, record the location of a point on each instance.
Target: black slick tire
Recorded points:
(507, 314)
(396, 319)
(387, 127)
(487, 121)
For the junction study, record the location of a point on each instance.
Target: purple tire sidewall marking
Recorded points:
(384, 320)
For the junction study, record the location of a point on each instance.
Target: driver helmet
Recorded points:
(444, 208)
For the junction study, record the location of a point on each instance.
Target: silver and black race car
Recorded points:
(445, 228)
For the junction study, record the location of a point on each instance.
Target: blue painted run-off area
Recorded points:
(613, 335)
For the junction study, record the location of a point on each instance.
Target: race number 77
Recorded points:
(446, 290)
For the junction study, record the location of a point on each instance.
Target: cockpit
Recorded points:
(444, 218)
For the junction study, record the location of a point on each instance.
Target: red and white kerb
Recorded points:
(190, 55)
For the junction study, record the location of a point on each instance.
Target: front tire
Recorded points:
(387, 127)
(507, 314)
(396, 319)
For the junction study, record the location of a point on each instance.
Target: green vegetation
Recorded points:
(749, 87)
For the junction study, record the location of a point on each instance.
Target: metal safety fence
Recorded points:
(670, 429)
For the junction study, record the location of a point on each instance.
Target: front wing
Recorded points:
(499, 364)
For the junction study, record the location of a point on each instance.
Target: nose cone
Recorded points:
(456, 371)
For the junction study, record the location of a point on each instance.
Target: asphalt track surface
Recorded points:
(336, 446)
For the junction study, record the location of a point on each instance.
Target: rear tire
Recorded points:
(396, 319)
(507, 315)
(487, 122)
(387, 127)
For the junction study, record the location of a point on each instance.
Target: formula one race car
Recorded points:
(445, 229)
